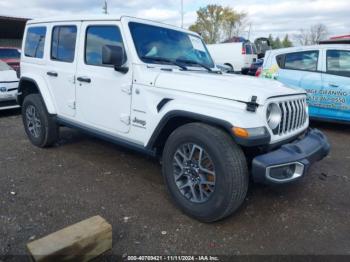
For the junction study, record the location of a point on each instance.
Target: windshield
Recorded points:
(153, 43)
(9, 53)
(4, 66)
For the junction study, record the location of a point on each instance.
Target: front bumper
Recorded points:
(291, 161)
(8, 99)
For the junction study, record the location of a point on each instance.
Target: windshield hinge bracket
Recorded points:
(252, 105)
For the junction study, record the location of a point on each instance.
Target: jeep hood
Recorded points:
(226, 86)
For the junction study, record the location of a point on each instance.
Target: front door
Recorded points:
(103, 94)
(61, 66)
(336, 85)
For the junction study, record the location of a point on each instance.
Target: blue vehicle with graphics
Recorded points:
(322, 70)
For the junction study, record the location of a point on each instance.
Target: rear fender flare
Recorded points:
(43, 89)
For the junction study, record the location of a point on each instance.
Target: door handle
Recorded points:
(84, 79)
(333, 85)
(51, 73)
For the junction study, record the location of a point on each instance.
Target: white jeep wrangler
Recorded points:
(154, 88)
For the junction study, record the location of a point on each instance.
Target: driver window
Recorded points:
(97, 37)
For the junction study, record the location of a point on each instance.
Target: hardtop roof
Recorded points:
(75, 18)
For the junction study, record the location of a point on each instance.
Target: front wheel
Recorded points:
(205, 171)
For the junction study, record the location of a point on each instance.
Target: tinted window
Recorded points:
(248, 49)
(63, 43)
(96, 38)
(34, 46)
(280, 60)
(338, 62)
(9, 53)
(306, 61)
(154, 43)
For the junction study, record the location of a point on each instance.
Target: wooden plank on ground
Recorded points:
(80, 242)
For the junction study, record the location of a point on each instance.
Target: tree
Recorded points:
(286, 42)
(313, 35)
(271, 40)
(277, 43)
(233, 23)
(216, 23)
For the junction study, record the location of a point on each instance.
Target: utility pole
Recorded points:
(250, 29)
(105, 8)
(182, 13)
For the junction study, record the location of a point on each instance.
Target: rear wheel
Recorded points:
(205, 171)
(40, 127)
(232, 70)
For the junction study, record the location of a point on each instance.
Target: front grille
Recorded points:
(294, 115)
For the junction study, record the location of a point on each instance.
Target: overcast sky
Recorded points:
(266, 16)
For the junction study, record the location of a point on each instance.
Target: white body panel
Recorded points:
(8, 88)
(62, 86)
(112, 98)
(106, 101)
(231, 54)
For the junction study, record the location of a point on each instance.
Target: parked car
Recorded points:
(254, 68)
(238, 56)
(8, 87)
(154, 88)
(322, 70)
(11, 56)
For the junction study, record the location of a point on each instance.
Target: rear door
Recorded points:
(249, 54)
(61, 66)
(336, 85)
(301, 70)
(103, 94)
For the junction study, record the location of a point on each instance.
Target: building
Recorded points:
(11, 30)
(343, 39)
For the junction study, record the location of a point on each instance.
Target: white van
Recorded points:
(238, 56)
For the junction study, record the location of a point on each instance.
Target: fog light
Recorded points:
(284, 173)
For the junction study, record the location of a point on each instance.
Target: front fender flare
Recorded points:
(194, 116)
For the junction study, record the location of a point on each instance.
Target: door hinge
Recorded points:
(125, 119)
(72, 105)
(127, 89)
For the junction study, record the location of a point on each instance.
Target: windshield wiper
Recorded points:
(164, 60)
(192, 62)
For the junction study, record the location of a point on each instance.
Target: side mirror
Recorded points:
(115, 56)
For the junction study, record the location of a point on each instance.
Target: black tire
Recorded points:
(47, 133)
(231, 172)
(232, 70)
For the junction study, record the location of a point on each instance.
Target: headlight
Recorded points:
(273, 115)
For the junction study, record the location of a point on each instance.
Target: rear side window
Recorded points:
(35, 41)
(63, 43)
(338, 62)
(248, 49)
(96, 38)
(305, 61)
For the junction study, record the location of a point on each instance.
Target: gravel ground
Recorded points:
(42, 191)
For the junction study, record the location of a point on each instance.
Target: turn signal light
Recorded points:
(240, 132)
